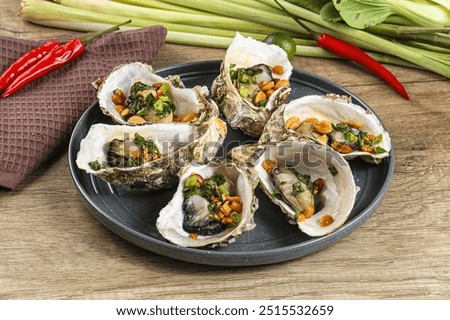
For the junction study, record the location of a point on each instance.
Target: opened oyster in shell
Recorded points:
(147, 157)
(333, 120)
(311, 183)
(212, 205)
(253, 82)
(133, 94)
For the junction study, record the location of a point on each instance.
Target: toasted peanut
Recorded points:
(119, 108)
(135, 153)
(159, 93)
(323, 126)
(309, 211)
(260, 96)
(268, 165)
(354, 124)
(366, 148)
(292, 123)
(264, 85)
(278, 69)
(149, 156)
(225, 209)
(269, 93)
(310, 120)
(369, 137)
(119, 92)
(157, 85)
(136, 120)
(116, 99)
(193, 236)
(326, 220)
(125, 112)
(341, 147)
(235, 206)
(234, 199)
(281, 83)
(301, 217)
(227, 220)
(187, 118)
(318, 185)
(323, 138)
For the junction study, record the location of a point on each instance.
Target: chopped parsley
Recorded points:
(95, 165)
(142, 143)
(332, 170)
(143, 98)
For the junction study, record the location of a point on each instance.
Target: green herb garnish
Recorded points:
(95, 165)
(142, 143)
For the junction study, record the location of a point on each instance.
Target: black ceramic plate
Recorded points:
(132, 214)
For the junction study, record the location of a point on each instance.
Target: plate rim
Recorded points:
(222, 258)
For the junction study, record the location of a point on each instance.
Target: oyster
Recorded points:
(133, 94)
(332, 120)
(213, 204)
(310, 182)
(253, 81)
(147, 157)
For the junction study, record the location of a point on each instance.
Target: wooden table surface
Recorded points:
(52, 247)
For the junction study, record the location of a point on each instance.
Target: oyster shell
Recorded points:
(333, 120)
(238, 90)
(192, 218)
(311, 183)
(147, 157)
(139, 94)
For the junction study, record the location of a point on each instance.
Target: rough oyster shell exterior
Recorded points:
(187, 100)
(170, 220)
(181, 144)
(242, 114)
(333, 108)
(316, 160)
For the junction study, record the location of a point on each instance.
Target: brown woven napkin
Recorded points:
(39, 118)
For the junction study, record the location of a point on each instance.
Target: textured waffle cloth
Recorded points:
(37, 121)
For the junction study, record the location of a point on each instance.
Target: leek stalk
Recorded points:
(163, 16)
(361, 38)
(214, 23)
(160, 5)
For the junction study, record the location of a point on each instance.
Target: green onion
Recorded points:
(223, 190)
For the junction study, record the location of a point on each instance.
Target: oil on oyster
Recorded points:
(133, 94)
(332, 120)
(311, 183)
(253, 82)
(213, 204)
(147, 157)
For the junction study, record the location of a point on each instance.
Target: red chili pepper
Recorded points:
(24, 62)
(348, 51)
(56, 58)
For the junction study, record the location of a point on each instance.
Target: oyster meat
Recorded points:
(213, 204)
(148, 157)
(311, 183)
(332, 120)
(133, 94)
(253, 81)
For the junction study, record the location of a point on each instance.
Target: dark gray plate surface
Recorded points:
(132, 214)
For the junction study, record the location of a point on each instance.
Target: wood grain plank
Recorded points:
(51, 247)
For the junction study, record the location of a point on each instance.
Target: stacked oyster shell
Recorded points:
(176, 143)
(300, 159)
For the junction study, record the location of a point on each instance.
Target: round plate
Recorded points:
(132, 214)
